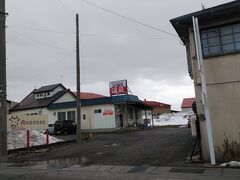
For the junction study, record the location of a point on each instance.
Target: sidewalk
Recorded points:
(57, 171)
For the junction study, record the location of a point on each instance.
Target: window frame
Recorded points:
(219, 35)
(70, 115)
(97, 111)
(60, 119)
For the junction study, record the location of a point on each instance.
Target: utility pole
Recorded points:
(3, 114)
(79, 139)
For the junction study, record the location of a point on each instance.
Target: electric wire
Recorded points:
(40, 30)
(128, 18)
(53, 64)
(83, 34)
(66, 8)
(37, 41)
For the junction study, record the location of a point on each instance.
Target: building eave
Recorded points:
(183, 23)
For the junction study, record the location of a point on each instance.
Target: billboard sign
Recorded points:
(118, 87)
(30, 122)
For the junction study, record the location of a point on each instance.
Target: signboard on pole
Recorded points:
(30, 122)
(118, 87)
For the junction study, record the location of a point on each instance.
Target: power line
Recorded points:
(37, 41)
(40, 30)
(128, 18)
(67, 9)
(54, 64)
(83, 34)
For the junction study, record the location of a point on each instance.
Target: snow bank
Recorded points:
(17, 139)
(180, 118)
(231, 164)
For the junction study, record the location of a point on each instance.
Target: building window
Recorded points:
(97, 111)
(84, 116)
(71, 115)
(61, 116)
(221, 40)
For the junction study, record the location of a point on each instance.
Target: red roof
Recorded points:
(88, 95)
(187, 102)
(156, 104)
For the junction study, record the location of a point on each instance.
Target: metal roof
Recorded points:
(187, 102)
(228, 10)
(47, 88)
(88, 95)
(130, 99)
(30, 102)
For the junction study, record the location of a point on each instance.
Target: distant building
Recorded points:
(158, 107)
(10, 104)
(100, 113)
(39, 101)
(187, 104)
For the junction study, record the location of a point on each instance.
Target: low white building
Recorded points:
(99, 113)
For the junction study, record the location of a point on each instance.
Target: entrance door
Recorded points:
(121, 120)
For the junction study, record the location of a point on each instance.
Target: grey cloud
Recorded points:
(112, 48)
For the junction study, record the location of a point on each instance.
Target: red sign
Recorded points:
(107, 112)
(118, 87)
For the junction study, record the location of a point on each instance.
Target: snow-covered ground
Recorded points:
(231, 164)
(17, 139)
(180, 118)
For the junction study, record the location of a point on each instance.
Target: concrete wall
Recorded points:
(187, 110)
(98, 120)
(223, 83)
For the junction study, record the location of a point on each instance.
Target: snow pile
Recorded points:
(231, 164)
(18, 139)
(180, 118)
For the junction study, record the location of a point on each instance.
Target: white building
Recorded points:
(99, 113)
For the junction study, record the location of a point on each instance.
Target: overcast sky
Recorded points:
(41, 47)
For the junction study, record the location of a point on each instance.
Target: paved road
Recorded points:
(156, 147)
(157, 154)
(41, 171)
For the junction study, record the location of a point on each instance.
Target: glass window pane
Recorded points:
(237, 46)
(214, 41)
(213, 33)
(205, 43)
(215, 49)
(226, 30)
(228, 47)
(61, 116)
(227, 39)
(204, 35)
(71, 115)
(205, 51)
(236, 28)
(237, 37)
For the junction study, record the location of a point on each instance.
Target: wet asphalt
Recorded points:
(166, 147)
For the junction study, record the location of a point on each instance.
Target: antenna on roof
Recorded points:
(202, 6)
